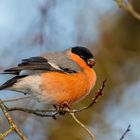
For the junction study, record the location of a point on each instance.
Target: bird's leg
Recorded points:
(57, 107)
(60, 107)
(66, 104)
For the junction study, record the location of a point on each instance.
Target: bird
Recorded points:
(59, 78)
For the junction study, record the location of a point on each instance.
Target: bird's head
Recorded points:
(85, 54)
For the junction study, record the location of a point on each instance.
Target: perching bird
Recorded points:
(55, 78)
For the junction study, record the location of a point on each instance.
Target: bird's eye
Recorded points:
(91, 62)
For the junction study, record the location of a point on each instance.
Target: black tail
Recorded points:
(13, 73)
(10, 82)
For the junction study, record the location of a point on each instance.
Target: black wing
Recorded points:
(36, 63)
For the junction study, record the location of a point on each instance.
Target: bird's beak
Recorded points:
(91, 62)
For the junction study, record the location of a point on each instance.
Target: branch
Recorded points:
(83, 126)
(13, 127)
(98, 94)
(16, 99)
(40, 113)
(64, 110)
(128, 7)
(126, 131)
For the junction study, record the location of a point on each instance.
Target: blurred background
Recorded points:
(32, 27)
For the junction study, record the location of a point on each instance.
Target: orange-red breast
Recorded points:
(55, 78)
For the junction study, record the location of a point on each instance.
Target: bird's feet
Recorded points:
(60, 107)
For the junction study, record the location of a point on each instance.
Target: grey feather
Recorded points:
(62, 60)
(56, 61)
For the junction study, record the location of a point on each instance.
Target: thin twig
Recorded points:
(16, 99)
(83, 126)
(11, 122)
(128, 7)
(98, 94)
(5, 134)
(41, 113)
(126, 131)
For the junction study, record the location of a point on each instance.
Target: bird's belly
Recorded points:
(28, 85)
(60, 87)
(55, 87)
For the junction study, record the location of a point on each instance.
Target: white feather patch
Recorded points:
(54, 66)
(32, 85)
(29, 84)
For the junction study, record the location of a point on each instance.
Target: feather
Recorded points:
(12, 81)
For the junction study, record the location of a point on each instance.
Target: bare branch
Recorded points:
(41, 113)
(128, 7)
(16, 99)
(98, 94)
(13, 127)
(126, 131)
(83, 126)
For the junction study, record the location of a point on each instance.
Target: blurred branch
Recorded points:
(126, 131)
(128, 7)
(13, 127)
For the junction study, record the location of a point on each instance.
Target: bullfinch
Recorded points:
(54, 78)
